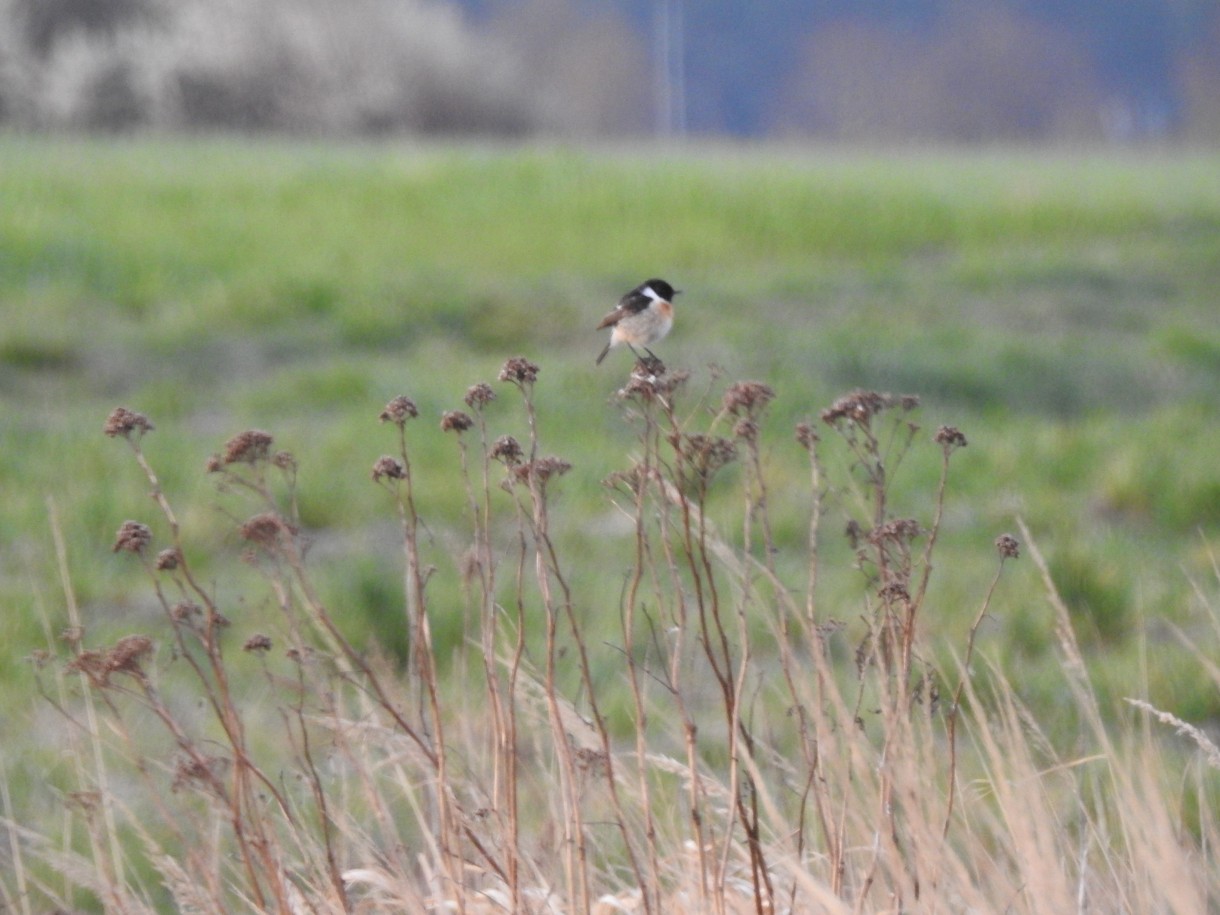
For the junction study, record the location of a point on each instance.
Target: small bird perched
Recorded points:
(642, 316)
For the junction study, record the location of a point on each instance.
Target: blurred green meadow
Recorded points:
(1059, 307)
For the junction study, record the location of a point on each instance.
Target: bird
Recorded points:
(643, 316)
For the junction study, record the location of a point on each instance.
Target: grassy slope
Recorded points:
(1057, 307)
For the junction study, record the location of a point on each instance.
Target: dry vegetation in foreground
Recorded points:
(751, 754)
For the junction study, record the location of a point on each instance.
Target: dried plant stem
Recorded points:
(955, 707)
(417, 614)
(114, 860)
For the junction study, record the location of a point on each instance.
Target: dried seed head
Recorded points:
(455, 421)
(390, 467)
(519, 371)
(92, 664)
(746, 429)
(168, 559)
(507, 450)
(806, 436)
(629, 481)
(127, 652)
(284, 460)
(123, 422)
(1008, 547)
(859, 407)
(212, 464)
(649, 366)
(747, 398)
(641, 387)
(479, 395)
(247, 447)
(185, 611)
(132, 537)
(124, 657)
(901, 530)
(895, 591)
(949, 437)
(652, 380)
(705, 454)
(399, 410)
(265, 528)
(542, 469)
(257, 642)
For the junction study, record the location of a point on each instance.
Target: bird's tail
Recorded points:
(603, 354)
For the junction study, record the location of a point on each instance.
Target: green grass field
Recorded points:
(1060, 308)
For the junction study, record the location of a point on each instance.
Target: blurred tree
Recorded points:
(981, 74)
(585, 70)
(1199, 77)
(42, 22)
(1025, 69)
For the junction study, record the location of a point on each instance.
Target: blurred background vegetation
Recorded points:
(1058, 307)
(929, 70)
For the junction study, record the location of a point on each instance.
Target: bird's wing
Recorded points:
(611, 319)
(631, 304)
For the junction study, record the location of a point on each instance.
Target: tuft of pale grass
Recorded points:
(754, 751)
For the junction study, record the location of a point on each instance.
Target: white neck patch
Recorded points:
(648, 291)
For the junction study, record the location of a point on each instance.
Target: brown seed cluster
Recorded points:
(265, 528)
(285, 461)
(185, 611)
(247, 447)
(1008, 546)
(123, 422)
(859, 407)
(507, 450)
(387, 467)
(455, 421)
(747, 398)
(897, 530)
(646, 386)
(132, 537)
(542, 469)
(479, 395)
(123, 657)
(746, 429)
(629, 481)
(168, 559)
(806, 437)
(519, 371)
(949, 437)
(895, 591)
(705, 454)
(257, 642)
(399, 410)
